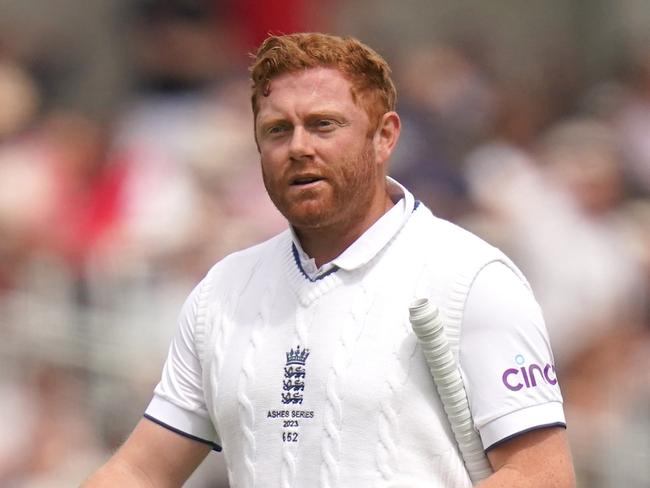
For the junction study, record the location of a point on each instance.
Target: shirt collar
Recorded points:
(370, 242)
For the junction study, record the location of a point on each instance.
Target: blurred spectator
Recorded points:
(19, 99)
(255, 20)
(88, 185)
(189, 155)
(20, 212)
(558, 217)
(633, 120)
(62, 192)
(55, 441)
(446, 105)
(583, 160)
(558, 210)
(182, 46)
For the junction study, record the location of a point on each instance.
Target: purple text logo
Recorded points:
(528, 376)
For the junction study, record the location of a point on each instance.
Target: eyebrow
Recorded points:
(327, 114)
(319, 114)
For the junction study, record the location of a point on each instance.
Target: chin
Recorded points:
(306, 214)
(307, 221)
(310, 219)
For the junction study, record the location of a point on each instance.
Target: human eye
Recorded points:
(324, 124)
(277, 129)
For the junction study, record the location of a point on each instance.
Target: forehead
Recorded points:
(311, 89)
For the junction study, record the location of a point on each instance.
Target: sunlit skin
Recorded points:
(323, 166)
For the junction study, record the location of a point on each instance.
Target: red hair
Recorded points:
(366, 70)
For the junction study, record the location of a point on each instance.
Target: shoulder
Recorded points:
(239, 266)
(447, 241)
(451, 258)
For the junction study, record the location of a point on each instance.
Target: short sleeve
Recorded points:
(506, 359)
(178, 403)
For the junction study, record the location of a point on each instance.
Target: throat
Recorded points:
(324, 244)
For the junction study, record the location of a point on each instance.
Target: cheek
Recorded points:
(268, 175)
(360, 168)
(270, 163)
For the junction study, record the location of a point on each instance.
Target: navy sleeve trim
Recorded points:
(215, 447)
(517, 434)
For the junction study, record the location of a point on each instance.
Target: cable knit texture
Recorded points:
(321, 383)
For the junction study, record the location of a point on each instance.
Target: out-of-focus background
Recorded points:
(128, 167)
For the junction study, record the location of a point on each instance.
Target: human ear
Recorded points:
(386, 136)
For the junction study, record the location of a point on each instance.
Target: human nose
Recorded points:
(300, 144)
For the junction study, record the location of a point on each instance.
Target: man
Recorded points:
(296, 355)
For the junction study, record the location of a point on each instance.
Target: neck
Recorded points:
(324, 244)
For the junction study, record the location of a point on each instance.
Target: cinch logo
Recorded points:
(528, 376)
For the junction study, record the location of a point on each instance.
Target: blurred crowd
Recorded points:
(109, 215)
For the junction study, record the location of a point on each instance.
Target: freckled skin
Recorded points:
(309, 125)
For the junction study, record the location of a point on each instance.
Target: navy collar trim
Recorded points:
(296, 259)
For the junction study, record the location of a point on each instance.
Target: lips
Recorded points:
(303, 180)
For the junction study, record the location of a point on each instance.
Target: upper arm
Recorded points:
(152, 456)
(537, 458)
(181, 379)
(506, 359)
(514, 394)
(179, 401)
(177, 433)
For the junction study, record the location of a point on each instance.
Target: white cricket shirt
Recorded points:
(504, 351)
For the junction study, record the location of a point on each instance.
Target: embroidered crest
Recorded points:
(293, 384)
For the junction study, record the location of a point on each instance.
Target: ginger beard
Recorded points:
(341, 200)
